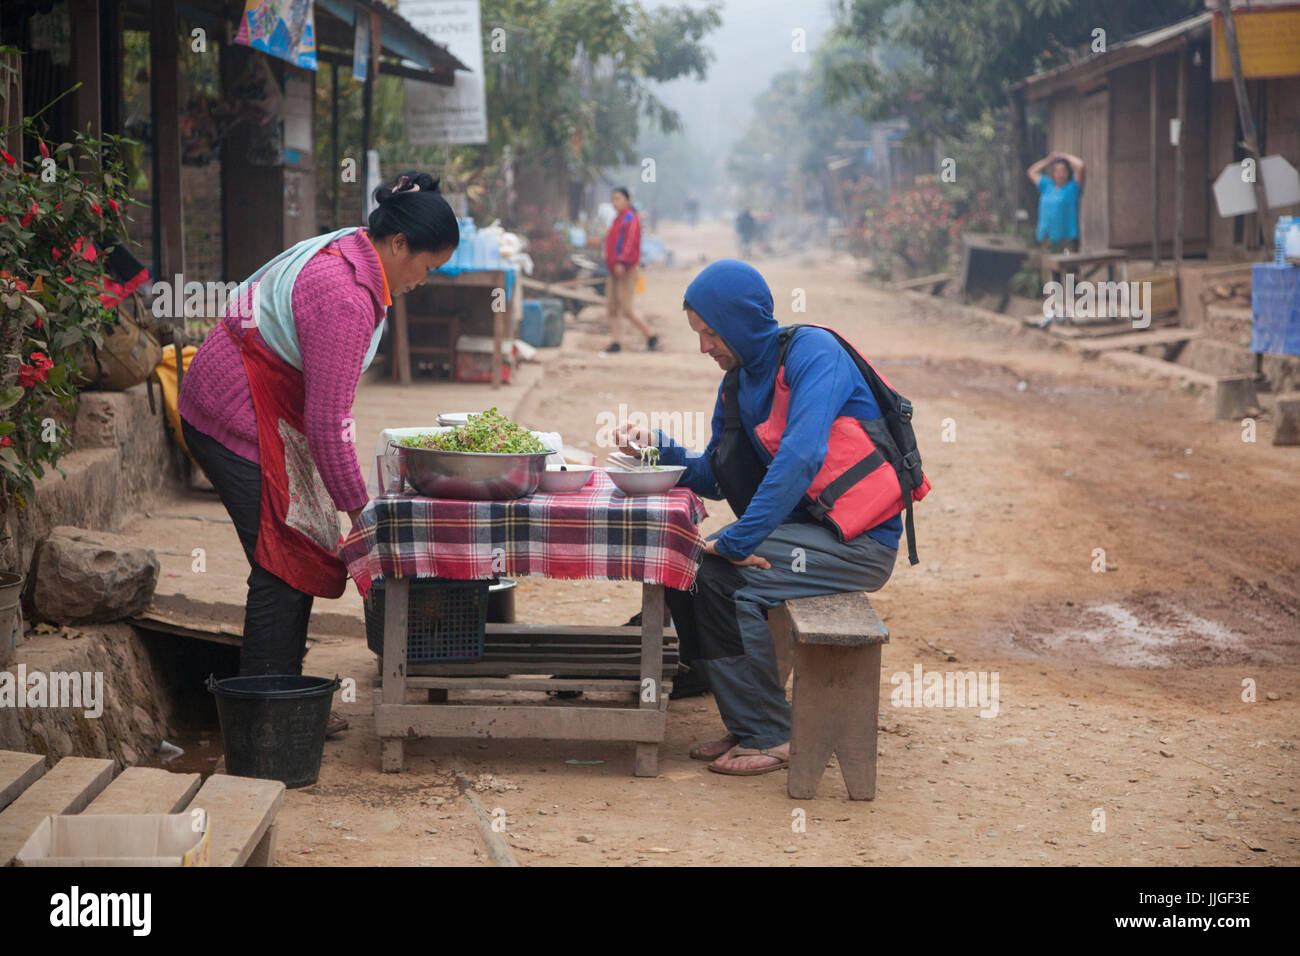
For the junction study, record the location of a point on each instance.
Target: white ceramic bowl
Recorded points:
(654, 482)
(573, 478)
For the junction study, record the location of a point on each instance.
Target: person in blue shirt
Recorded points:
(1059, 178)
(776, 551)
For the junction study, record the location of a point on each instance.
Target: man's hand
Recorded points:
(619, 268)
(753, 561)
(634, 433)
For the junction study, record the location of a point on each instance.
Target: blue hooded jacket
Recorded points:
(734, 300)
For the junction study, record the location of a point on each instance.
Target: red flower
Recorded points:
(98, 211)
(35, 210)
(86, 248)
(39, 323)
(7, 158)
(57, 254)
(45, 152)
(113, 203)
(41, 360)
(26, 376)
(4, 441)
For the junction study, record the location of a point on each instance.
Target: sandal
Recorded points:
(699, 753)
(782, 762)
(336, 724)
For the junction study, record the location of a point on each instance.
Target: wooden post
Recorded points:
(652, 670)
(1179, 158)
(1246, 118)
(368, 105)
(1154, 142)
(164, 84)
(401, 343)
(335, 176)
(84, 15)
(503, 325)
(11, 109)
(397, 594)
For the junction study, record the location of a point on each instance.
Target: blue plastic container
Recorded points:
(532, 326)
(552, 322)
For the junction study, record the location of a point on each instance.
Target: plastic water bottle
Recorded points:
(1279, 239)
(1293, 240)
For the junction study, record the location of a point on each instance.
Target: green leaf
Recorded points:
(9, 459)
(7, 428)
(10, 397)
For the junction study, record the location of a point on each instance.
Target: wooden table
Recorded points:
(487, 281)
(1084, 265)
(623, 659)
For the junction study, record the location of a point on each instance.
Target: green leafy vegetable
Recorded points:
(489, 432)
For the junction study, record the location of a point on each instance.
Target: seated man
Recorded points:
(793, 414)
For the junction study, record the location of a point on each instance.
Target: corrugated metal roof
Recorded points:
(1126, 51)
(1156, 37)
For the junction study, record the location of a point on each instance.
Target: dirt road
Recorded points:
(1121, 734)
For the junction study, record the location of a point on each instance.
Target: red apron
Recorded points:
(298, 527)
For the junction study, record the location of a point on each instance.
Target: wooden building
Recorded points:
(229, 131)
(1113, 110)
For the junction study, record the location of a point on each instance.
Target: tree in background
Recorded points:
(947, 65)
(962, 55)
(571, 92)
(568, 96)
(780, 162)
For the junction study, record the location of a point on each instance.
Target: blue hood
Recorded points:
(734, 300)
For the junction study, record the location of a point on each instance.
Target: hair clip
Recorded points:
(405, 185)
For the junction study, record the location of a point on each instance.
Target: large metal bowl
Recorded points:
(472, 476)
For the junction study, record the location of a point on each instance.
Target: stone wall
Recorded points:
(122, 456)
(134, 716)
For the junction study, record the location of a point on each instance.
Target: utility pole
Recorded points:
(1244, 116)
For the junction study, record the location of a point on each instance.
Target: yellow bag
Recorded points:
(165, 375)
(640, 283)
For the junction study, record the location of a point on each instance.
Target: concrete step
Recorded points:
(1223, 359)
(122, 459)
(1228, 324)
(1282, 372)
(1217, 358)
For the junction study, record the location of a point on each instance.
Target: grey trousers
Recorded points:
(724, 618)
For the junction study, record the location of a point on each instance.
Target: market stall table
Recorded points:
(595, 534)
(481, 286)
(1275, 308)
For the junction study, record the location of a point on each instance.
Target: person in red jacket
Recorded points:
(622, 256)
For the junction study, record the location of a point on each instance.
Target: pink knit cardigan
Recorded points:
(337, 303)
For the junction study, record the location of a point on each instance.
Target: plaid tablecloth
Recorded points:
(596, 534)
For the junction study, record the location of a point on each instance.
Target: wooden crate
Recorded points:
(1164, 291)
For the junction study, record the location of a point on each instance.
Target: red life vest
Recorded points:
(869, 462)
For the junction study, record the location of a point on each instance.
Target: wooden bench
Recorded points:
(240, 811)
(832, 643)
(932, 284)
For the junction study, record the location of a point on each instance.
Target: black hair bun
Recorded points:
(402, 185)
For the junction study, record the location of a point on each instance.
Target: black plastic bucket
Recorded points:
(273, 726)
